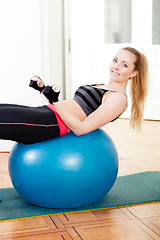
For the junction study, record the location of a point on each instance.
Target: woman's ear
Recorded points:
(133, 74)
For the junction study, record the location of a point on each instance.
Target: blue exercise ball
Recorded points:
(65, 172)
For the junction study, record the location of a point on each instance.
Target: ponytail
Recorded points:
(138, 88)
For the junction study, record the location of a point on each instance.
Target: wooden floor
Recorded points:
(137, 153)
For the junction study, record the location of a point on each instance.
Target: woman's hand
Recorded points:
(37, 83)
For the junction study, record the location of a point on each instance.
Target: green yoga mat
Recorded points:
(127, 190)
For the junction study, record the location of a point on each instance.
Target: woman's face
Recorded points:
(122, 67)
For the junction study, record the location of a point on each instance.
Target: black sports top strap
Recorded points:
(110, 90)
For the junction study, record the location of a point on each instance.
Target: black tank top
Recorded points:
(89, 97)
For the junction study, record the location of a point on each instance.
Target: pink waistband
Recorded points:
(62, 126)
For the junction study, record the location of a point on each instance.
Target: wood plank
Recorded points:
(116, 215)
(57, 222)
(142, 145)
(82, 217)
(131, 166)
(124, 231)
(47, 236)
(27, 226)
(145, 210)
(153, 223)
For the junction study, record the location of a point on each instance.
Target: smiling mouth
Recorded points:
(115, 73)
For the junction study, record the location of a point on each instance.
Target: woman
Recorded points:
(93, 106)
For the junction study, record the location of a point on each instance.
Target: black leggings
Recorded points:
(27, 124)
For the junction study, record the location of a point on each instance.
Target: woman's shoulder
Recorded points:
(116, 97)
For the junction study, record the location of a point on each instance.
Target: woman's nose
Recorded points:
(117, 66)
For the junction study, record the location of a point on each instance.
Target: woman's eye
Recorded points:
(114, 60)
(125, 65)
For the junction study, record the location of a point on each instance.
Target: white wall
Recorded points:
(20, 48)
(81, 42)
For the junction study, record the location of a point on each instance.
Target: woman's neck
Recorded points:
(119, 87)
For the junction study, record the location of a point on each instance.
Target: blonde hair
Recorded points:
(138, 88)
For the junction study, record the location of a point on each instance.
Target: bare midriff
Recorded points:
(74, 108)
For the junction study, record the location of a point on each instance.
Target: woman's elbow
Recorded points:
(80, 129)
(80, 132)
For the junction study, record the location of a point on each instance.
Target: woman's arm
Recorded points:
(109, 110)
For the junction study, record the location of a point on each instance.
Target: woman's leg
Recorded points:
(27, 124)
